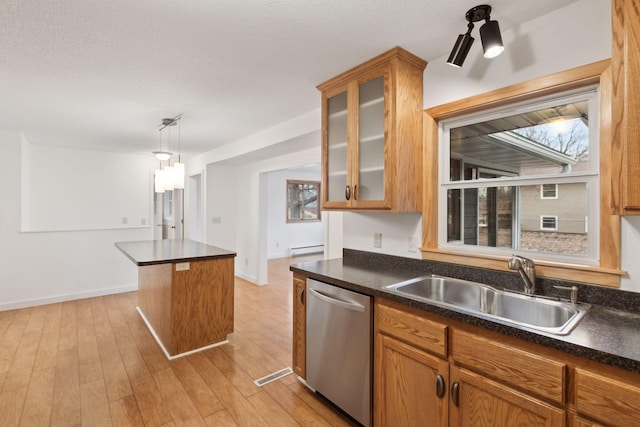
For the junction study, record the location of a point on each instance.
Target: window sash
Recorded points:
(591, 177)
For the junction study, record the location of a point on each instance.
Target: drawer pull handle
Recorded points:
(440, 386)
(455, 393)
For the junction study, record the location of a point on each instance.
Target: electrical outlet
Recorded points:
(125, 220)
(377, 240)
(246, 261)
(216, 220)
(143, 221)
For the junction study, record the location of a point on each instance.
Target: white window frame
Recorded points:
(591, 177)
(555, 194)
(555, 221)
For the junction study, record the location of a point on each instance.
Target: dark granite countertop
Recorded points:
(150, 252)
(609, 335)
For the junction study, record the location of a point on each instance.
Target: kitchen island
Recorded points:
(185, 292)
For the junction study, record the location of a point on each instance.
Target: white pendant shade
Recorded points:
(169, 181)
(178, 174)
(159, 181)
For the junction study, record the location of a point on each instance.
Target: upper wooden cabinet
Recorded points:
(372, 135)
(625, 61)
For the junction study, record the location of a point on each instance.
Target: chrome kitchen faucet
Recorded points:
(527, 269)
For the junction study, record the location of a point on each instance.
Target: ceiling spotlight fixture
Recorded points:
(489, 34)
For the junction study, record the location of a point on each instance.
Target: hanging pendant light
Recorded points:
(178, 167)
(170, 177)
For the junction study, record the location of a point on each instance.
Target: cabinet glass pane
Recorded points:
(337, 146)
(371, 140)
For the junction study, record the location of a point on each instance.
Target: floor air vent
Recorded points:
(273, 377)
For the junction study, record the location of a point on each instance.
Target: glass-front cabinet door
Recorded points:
(355, 145)
(371, 138)
(337, 153)
(372, 135)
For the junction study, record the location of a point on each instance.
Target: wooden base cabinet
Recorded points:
(608, 399)
(299, 325)
(411, 385)
(480, 402)
(411, 372)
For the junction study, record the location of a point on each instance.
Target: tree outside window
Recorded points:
(303, 201)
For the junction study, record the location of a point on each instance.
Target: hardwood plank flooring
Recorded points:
(93, 362)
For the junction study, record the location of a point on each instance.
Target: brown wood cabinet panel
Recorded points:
(523, 370)
(406, 385)
(154, 299)
(202, 304)
(607, 400)
(401, 171)
(575, 421)
(625, 60)
(409, 327)
(486, 403)
(299, 325)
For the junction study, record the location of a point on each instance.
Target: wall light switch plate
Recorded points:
(182, 266)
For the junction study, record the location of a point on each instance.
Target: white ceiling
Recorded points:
(101, 74)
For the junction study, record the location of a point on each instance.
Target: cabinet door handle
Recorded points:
(355, 192)
(347, 192)
(440, 386)
(455, 393)
(302, 297)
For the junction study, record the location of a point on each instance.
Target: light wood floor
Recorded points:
(93, 362)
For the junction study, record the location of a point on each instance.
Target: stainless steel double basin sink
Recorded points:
(523, 311)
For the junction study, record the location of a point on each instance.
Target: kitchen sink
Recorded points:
(525, 311)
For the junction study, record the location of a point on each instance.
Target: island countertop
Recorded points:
(151, 252)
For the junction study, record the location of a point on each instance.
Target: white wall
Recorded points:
(575, 35)
(396, 230)
(43, 267)
(222, 193)
(280, 234)
(251, 262)
(68, 189)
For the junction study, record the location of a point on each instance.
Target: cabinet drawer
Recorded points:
(606, 399)
(511, 365)
(411, 328)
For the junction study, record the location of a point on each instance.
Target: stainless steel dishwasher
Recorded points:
(339, 347)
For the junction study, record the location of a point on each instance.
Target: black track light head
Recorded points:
(489, 35)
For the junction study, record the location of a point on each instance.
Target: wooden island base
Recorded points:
(185, 293)
(188, 310)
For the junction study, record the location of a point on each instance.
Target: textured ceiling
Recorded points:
(101, 74)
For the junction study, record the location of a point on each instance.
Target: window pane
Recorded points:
(519, 218)
(548, 141)
(549, 191)
(302, 201)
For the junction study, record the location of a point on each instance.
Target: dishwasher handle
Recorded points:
(344, 304)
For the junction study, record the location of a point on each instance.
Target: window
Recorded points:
(548, 223)
(549, 191)
(501, 172)
(302, 201)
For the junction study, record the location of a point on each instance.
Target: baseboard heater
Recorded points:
(306, 250)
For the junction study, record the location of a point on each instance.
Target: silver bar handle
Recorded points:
(344, 304)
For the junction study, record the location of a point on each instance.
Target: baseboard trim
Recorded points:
(67, 297)
(164, 350)
(246, 277)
